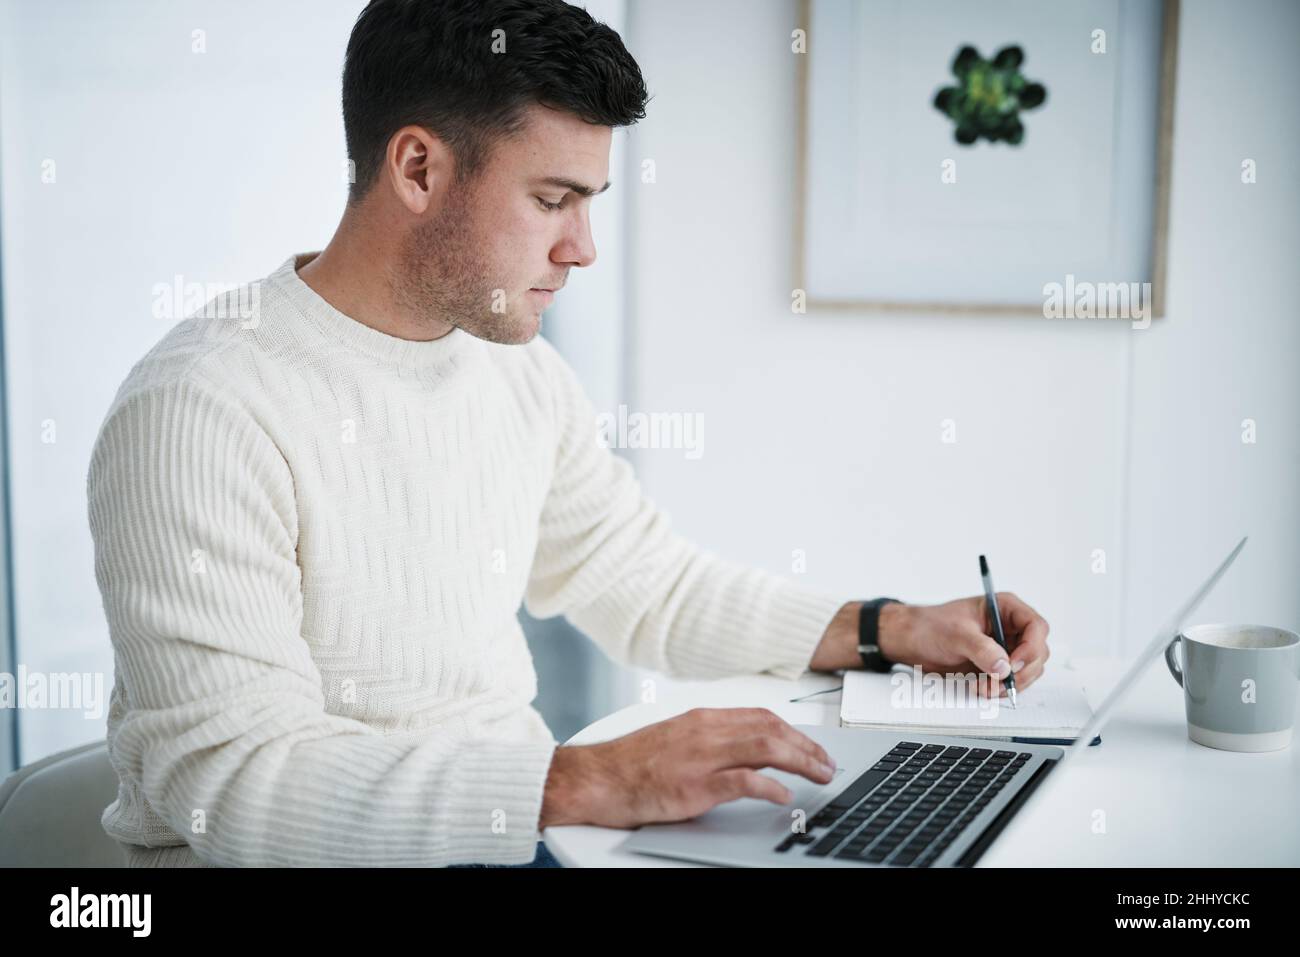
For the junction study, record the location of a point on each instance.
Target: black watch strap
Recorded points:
(869, 635)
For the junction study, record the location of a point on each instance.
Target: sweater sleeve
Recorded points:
(609, 561)
(224, 729)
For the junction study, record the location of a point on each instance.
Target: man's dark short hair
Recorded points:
(431, 63)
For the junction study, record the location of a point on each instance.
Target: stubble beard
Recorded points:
(442, 274)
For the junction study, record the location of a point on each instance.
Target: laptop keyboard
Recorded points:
(909, 806)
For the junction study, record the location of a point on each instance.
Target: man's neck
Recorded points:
(352, 276)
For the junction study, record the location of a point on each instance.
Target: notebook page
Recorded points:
(1053, 702)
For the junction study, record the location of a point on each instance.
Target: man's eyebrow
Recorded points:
(579, 188)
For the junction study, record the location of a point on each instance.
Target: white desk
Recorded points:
(1164, 800)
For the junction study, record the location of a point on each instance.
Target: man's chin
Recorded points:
(531, 326)
(520, 330)
(524, 332)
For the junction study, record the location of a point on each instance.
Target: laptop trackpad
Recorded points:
(747, 815)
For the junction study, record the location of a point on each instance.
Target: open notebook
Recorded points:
(1053, 710)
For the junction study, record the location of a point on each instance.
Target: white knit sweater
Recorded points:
(312, 540)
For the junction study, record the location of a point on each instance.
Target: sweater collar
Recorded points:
(356, 334)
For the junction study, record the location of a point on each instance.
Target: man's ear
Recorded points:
(419, 167)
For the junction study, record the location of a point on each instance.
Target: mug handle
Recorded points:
(1172, 660)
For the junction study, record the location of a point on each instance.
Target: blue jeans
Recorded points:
(543, 859)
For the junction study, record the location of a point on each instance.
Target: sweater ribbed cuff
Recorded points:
(799, 620)
(493, 802)
(772, 627)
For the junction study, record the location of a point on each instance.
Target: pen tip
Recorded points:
(984, 566)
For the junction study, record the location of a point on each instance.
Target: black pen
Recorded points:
(1009, 682)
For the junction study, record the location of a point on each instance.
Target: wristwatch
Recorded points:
(869, 635)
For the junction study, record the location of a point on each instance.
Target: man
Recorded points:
(313, 532)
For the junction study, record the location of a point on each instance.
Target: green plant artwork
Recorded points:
(990, 95)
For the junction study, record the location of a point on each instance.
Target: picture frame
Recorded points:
(830, 187)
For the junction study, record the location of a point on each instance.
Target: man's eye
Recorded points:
(546, 205)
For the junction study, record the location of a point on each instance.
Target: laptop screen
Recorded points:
(1154, 649)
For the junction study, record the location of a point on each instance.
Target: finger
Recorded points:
(1024, 678)
(991, 686)
(733, 783)
(1026, 629)
(765, 751)
(984, 653)
(1029, 674)
(1031, 666)
(1032, 649)
(766, 721)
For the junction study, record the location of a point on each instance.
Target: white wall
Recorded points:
(1231, 349)
(823, 430)
(214, 165)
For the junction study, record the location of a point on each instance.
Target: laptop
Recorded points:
(896, 800)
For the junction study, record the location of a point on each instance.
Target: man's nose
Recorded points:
(579, 248)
